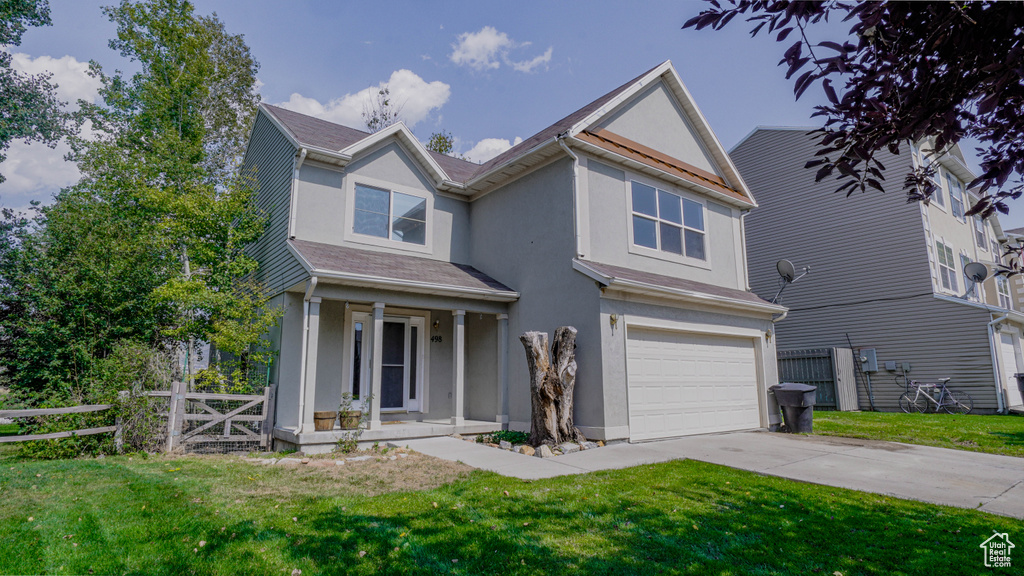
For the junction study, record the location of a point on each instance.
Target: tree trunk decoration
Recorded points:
(552, 382)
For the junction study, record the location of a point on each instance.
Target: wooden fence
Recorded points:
(193, 418)
(54, 411)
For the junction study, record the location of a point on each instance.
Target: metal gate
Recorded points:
(830, 369)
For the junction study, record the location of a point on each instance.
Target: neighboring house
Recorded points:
(410, 275)
(885, 274)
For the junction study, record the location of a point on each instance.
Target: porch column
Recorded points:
(502, 369)
(376, 357)
(459, 367)
(312, 347)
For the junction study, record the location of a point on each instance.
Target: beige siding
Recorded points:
(870, 275)
(270, 157)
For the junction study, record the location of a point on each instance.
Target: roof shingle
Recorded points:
(330, 258)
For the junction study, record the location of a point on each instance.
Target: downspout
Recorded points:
(575, 192)
(310, 286)
(295, 193)
(743, 242)
(1001, 408)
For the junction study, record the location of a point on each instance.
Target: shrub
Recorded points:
(511, 436)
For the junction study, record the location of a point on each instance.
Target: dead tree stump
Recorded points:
(552, 383)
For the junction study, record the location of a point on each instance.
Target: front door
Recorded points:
(1010, 368)
(401, 378)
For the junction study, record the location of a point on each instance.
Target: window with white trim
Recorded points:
(668, 222)
(979, 233)
(389, 214)
(947, 267)
(956, 196)
(939, 196)
(997, 252)
(1003, 289)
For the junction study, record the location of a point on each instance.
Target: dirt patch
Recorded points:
(321, 476)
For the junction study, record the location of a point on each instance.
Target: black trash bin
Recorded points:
(797, 403)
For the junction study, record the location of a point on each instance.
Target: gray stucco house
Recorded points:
(887, 273)
(410, 275)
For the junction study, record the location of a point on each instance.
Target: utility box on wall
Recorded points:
(832, 370)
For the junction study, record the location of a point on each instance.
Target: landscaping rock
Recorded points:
(457, 436)
(528, 450)
(588, 446)
(339, 462)
(569, 447)
(544, 451)
(492, 444)
(402, 455)
(289, 462)
(359, 458)
(305, 460)
(505, 445)
(394, 445)
(600, 444)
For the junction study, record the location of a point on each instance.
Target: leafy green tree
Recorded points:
(150, 245)
(905, 71)
(31, 110)
(443, 143)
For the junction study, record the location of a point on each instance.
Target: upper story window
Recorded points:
(668, 222)
(1003, 288)
(997, 252)
(938, 197)
(956, 196)
(947, 267)
(979, 233)
(389, 214)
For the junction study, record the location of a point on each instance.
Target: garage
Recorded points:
(682, 383)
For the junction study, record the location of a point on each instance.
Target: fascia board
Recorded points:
(403, 133)
(644, 289)
(298, 256)
(416, 287)
(622, 97)
(280, 126)
(1011, 314)
(591, 273)
(480, 177)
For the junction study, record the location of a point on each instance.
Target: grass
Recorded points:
(222, 515)
(8, 429)
(978, 433)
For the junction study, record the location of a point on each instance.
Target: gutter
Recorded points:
(295, 191)
(575, 192)
(1001, 405)
(305, 345)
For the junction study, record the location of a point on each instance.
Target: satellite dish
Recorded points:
(786, 270)
(976, 272)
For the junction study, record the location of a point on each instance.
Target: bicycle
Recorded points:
(949, 401)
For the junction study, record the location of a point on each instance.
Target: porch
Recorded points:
(419, 359)
(314, 442)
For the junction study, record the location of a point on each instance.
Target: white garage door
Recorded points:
(682, 383)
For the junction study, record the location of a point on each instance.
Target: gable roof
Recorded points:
(340, 142)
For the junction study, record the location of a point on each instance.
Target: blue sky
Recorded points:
(487, 72)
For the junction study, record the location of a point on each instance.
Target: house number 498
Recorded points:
(437, 339)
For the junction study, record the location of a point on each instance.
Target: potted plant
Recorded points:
(349, 416)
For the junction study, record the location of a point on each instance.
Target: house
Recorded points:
(885, 274)
(408, 276)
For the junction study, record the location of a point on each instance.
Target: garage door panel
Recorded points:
(683, 383)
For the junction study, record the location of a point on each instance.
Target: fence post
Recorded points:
(175, 414)
(119, 432)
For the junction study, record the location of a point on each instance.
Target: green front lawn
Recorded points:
(993, 434)
(220, 515)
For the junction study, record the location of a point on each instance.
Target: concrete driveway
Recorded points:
(959, 478)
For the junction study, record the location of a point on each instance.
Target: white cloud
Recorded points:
(488, 49)
(488, 148)
(71, 76)
(528, 66)
(416, 96)
(35, 171)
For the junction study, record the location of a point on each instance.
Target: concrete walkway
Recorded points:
(991, 483)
